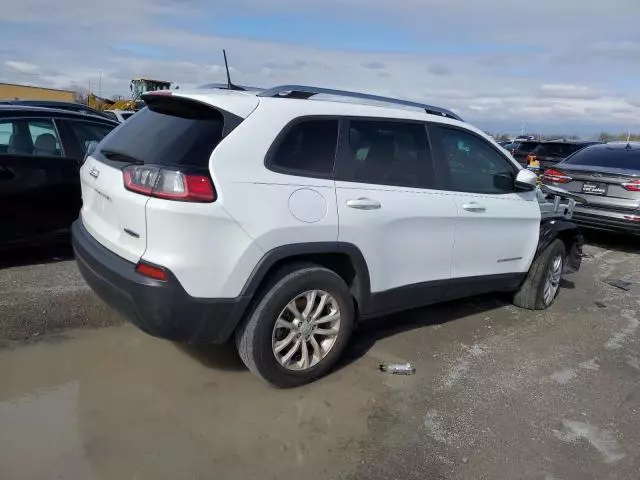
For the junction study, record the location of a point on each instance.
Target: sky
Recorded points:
(556, 66)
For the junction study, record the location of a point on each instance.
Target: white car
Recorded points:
(284, 220)
(119, 115)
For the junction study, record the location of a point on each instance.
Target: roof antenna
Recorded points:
(230, 86)
(629, 140)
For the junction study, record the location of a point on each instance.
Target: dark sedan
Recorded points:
(41, 151)
(608, 177)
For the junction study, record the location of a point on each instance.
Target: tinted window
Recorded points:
(111, 115)
(308, 147)
(561, 150)
(527, 146)
(473, 165)
(613, 156)
(388, 153)
(37, 137)
(126, 115)
(87, 132)
(170, 132)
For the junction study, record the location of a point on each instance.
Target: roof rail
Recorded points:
(303, 92)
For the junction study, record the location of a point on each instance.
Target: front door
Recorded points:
(498, 226)
(388, 207)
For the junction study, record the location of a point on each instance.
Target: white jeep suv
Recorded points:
(283, 219)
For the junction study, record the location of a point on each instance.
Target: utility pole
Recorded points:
(100, 83)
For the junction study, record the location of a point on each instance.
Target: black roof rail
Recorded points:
(304, 92)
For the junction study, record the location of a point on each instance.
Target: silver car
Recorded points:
(608, 177)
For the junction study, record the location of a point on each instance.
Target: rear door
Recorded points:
(498, 227)
(172, 131)
(389, 206)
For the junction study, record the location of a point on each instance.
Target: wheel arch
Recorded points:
(343, 258)
(570, 235)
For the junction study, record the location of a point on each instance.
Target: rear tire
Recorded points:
(542, 284)
(266, 348)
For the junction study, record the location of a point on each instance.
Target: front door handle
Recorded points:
(473, 207)
(363, 204)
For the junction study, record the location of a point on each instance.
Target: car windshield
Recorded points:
(612, 156)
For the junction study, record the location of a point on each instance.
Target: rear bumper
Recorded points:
(604, 220)
(160, 308)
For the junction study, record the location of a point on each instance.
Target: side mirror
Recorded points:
(526, 180)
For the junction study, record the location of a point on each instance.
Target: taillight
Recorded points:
(151, 271)
(168, 184)
(555, 176)
(632, 186)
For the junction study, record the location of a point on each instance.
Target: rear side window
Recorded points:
(174, 132)
(388, 153)
(613, 156)
(33, 137)
(307, 148)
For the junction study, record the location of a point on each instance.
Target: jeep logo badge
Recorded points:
(94, 172)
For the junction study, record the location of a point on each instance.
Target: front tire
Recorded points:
(299, 327)
(542, 284)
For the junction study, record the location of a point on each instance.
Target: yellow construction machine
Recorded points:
(138, 86)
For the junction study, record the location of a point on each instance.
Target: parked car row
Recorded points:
(608, 177)
(539, 155)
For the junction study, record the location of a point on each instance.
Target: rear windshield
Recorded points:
(527, 146)
(607, 156)
(175, 132)
(561, 150)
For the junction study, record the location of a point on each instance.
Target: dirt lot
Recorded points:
(499, 393)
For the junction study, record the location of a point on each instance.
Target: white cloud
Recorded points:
(22, 67)
(504, 70)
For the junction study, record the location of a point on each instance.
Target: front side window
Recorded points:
(388, 153)
(472, 165)
(309, 147)
(33, 137)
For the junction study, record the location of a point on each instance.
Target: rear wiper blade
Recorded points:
(120, 156)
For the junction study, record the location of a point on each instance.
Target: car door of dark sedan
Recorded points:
(39, 178)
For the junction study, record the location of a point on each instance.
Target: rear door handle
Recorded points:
(473, 207)
(363, 204)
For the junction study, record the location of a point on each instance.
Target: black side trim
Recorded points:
(428, 293)
(361, 285)
(406, 298)
(469, 286)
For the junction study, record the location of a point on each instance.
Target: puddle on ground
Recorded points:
(117, 403)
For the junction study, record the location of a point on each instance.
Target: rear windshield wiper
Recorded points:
(120, 156)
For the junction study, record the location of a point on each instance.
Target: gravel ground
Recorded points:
(43, 293)
(498, 392)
